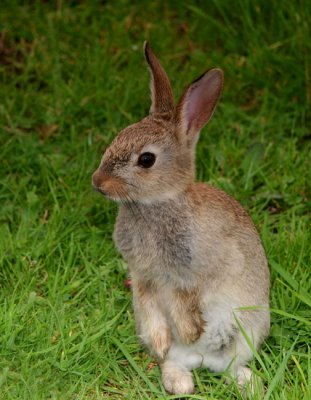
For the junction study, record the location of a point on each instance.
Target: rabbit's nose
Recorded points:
(98, 179)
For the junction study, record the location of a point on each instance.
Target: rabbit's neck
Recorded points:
(160, 208)
(156, 238)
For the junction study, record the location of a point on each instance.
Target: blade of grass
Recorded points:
(134, 365)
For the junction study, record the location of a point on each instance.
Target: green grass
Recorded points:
(72, 75)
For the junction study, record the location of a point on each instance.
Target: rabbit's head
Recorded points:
(154, 159)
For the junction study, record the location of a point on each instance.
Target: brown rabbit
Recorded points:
(199, 272)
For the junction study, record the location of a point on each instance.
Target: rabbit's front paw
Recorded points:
(176, 379)
(160, 342)
(190, 328)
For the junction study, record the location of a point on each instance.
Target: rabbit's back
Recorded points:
(226, 235)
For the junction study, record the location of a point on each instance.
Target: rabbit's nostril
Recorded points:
(97, 178)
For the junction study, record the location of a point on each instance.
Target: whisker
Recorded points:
(132, 184)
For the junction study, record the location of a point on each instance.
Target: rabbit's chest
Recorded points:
(154, 238)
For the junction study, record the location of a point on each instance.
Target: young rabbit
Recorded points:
(199, 273)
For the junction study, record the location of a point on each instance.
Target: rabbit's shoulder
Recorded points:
(215, 205)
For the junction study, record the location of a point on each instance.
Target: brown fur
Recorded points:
(187, 315)
(112, 186)
(161, 91)
(146, 306)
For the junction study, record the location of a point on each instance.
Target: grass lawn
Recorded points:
(72, 75)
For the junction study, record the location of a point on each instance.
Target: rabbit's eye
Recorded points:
(146, 160)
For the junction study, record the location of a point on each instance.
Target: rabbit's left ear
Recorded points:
(197, 105)
(162, 99)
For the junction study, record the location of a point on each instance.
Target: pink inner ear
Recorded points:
(202, 98)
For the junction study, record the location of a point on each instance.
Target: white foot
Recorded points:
(244, 376)
(249, 383)
(176, 378)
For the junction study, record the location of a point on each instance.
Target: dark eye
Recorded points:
(146, 160)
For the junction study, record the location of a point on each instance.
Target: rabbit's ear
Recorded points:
(197, 105)
(162, 99)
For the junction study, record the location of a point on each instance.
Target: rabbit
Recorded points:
(200, 279)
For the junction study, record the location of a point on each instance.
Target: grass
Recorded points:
(72, 75)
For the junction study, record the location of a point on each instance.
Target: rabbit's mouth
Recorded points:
(107, 195)
(100, 190)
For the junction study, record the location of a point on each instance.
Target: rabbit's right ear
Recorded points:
(162, 99)
(197, 105)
